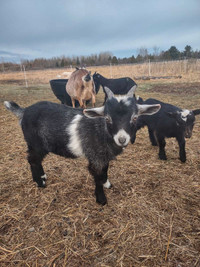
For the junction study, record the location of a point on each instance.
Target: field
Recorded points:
(153, 213)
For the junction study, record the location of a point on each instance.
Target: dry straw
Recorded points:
(153, 211)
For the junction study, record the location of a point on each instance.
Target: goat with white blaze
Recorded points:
(170, 121)
(99, 134)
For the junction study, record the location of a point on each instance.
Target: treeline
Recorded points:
(105, 58)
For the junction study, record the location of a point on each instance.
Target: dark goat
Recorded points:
(99, 134)
(119, 86)
(169, 121)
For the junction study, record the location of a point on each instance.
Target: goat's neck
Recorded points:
(103, 80)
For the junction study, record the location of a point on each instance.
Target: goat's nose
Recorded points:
(122, 140)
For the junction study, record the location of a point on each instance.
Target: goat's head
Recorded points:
(96, 79)
(120, 114)
(185, 119)
(88, 77)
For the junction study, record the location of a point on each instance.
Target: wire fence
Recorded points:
(144, 70)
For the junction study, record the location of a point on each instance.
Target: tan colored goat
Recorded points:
(80, 86)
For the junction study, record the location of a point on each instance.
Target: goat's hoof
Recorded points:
(42, 184)
(162, 157)
(154, 144)
(111, 186)
(183, 160)
(101, 200)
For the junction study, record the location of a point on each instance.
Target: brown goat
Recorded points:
(80, 86)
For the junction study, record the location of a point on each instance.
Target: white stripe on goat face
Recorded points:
(184, 114)
(122, 138)
(124, 99)
(74, 144)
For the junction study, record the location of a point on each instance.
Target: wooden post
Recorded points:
(185, 65)
(25, 78)
(149, 68)
(110, 70)
(3, 65)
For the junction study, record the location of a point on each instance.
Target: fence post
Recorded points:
(110, 70)
(3, 65)
(149, 68)
(185, 65)
(25, 78)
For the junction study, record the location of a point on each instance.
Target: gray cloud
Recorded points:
(64, 27)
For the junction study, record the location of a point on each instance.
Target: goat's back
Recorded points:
(76, 83)
(160, 121)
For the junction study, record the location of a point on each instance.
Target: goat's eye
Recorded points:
(108, 119)
(134, 119)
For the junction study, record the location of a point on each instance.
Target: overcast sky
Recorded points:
(48, 28)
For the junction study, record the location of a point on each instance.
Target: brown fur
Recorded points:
(79, 89)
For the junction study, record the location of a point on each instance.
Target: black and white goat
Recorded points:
(169, 121)
(99, 134)
(119, 86)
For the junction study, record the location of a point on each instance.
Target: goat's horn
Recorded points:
(109, 92)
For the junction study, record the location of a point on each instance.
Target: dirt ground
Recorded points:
(153, 213)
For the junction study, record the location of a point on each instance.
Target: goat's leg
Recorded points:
(161, 143)
(35, 161)
(81, 103)
(101, 179)
(182, 153)
(152, 137)
(133, 137)
(84, 104)
(73, 102)
(93, 101)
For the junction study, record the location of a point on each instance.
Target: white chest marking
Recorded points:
(74, 144)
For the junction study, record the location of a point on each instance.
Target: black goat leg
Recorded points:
(161, 143)
(101, 179)
(182, 153)
(35, 161)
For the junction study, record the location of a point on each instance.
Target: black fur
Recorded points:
(49, 127)
(167, 122)
(119, 86)
(45, 125)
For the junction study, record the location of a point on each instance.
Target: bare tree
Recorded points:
(143, 52)
(156, 51)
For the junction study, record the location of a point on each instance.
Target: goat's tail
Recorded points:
(13, 107)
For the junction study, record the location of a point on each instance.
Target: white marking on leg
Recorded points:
(43, 182)
(120, 135)
(74, 140)
(107, 184)
(44, 177)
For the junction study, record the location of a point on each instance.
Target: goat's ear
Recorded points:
(196, 112)
(131, 91)
(148, 109)
(109, 93)
(94, 112)
(139, 99)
